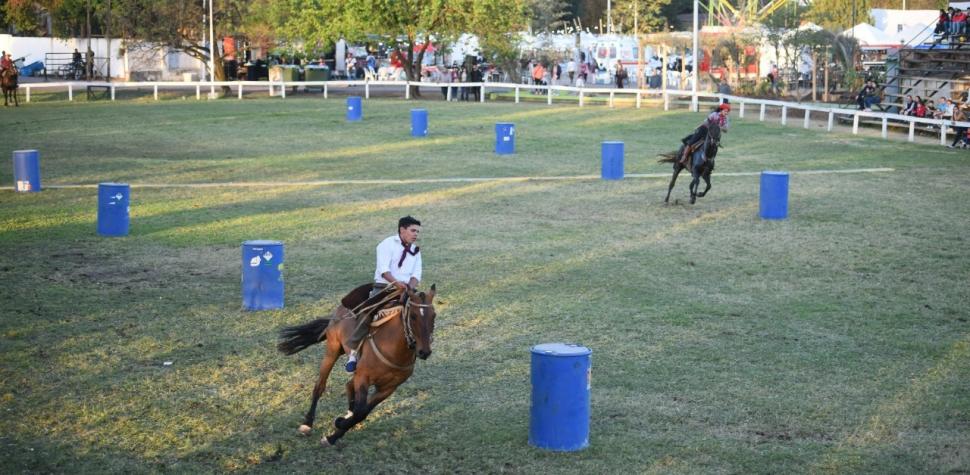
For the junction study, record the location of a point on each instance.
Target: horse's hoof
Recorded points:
(324, 442)
(305, 429)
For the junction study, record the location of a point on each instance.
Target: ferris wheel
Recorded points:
(741, 12)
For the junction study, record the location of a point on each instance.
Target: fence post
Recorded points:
(156, 91)
(831, 120)
(741, 111)
(324, 91)
(112, 93)
(885, 127)
(638, 98)
(448, 97)
(366, 89)
(270, 89)
(70, 92)
(198, 91)
(407, 91)
(942, 133)
(516, 94)
(855, 124)
(28, 93)
(912, 130)
(481, 97)
(784, 115)
(666, 101)
(611, 98)
(580, 98)
(548, 95)
(240, 91)
(807, 112)
(762, 117)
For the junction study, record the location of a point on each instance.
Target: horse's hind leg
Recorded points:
(326, 365)
(673, 179)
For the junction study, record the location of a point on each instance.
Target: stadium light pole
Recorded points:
(695, 66)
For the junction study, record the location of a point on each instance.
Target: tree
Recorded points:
(549, 15)
(408, 23)
(648, 15)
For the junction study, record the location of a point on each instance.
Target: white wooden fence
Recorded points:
(740, 103)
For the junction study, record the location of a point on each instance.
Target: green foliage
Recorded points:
(648, 13)
(839, 14)
(548, 15)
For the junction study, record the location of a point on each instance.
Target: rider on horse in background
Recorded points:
(719, 116)
(398, 265)
(6, 62)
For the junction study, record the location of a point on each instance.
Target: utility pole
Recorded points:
(212, 54)
(107, 34)
(696, 65)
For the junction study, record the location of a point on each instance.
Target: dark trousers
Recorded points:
(364, 320)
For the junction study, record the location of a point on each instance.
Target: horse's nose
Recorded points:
(424, 354)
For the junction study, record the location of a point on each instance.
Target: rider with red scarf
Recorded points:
(5, 62)
(719, 117)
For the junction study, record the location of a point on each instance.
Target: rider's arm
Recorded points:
(384, 257)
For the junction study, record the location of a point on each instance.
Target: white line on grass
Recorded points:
(246, 184)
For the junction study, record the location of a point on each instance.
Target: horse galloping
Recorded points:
(699, 158)
(8, 82)
(387, 354)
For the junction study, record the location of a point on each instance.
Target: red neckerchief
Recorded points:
(407, 250)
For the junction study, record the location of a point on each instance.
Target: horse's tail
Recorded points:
(297, 338)
(668, 157)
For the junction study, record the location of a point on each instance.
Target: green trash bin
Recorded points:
(284, 73)
(317, 73)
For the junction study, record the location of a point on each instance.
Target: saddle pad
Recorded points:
(385, 315)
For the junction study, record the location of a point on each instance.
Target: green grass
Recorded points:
(835, 341)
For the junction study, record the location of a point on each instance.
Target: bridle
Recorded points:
(409, 339)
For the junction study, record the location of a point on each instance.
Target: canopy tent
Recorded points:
(912, 35)
(871, 37)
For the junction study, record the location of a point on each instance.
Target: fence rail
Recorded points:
(278, 88)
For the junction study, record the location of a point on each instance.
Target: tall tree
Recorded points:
(648, 15)
(408, 23)
(549, 15)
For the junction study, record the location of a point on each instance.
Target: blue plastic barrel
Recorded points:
(559, 419)
(504, 138)
(262, 275)
(114, 206)
(612, 153)
(354, 110)
(26, 170)
(419, 122)
(774, 195)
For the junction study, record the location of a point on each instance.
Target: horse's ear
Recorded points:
(431, 293)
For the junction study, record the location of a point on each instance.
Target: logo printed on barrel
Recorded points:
(268, 256)
(254, 262)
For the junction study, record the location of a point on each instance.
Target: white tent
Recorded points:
(913, 34)
(870, 36)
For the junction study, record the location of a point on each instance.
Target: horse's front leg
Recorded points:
(693, 188)
(362, 408)
(707, 184)
(673, 179)
(326, 365)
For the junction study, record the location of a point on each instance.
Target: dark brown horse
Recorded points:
(699, 159)
(8, 82)
(386, 357)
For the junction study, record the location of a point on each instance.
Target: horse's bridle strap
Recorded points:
(384, 359)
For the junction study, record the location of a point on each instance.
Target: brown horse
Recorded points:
(386, 357)
(8, 82)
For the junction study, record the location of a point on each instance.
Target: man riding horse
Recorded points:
(398, 266)
(8, 78)
(696, 139)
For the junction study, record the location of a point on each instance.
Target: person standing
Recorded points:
(398, 265)
(620, 74)
(571, 70)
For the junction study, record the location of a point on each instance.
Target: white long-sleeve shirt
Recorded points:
(389, 253)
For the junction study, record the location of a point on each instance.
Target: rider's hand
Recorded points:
(400, 285)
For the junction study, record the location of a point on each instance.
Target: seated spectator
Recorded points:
(656, 79)
(920, 107)
(909, 106)
(941, 109)
(863, 98)
(942, 23)
(957, 22)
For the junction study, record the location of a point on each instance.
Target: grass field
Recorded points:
(835, 341)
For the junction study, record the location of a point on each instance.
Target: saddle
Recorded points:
(687, 151)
